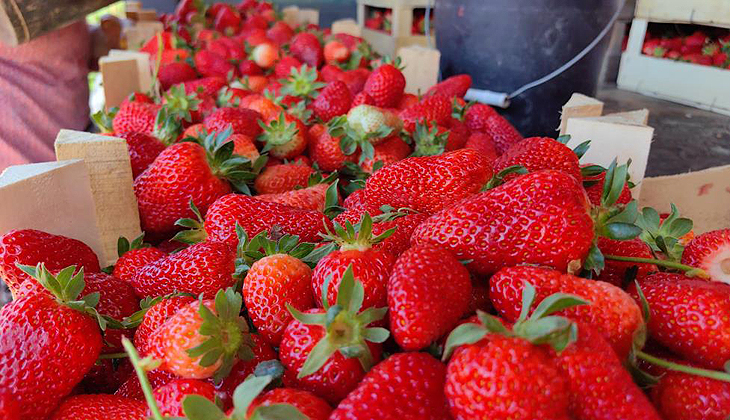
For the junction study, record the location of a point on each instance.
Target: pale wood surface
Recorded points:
(346, 26)
(579, 105)
(421, 67)
(704, 12)
(120, 77)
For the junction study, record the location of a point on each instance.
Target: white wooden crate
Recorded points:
(400, 32)
(703, 87)
(702, 12)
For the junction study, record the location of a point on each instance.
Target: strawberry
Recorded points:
(372, 267)
(169, 397)
(484, 119)
(501, 373)
(284, 67)
(282, 178)
(143, 149)
(280, 32)
(710, 251)
(202, 268)
(133, 256)
(325, 151)
(391, 150)
(227, 20)
(595, 189)
(433, 109)
(30, 247)
(428, 292)
(454, 86)
(600, 386)
(154, 316)
(244, 145)
(257, 216)
(137, 97)
(407, 100)
(174, 73)
(100, 407)
(335, 52)
(265, 55)
(264, 106)
(682, 396)
(615, 272)
(385, 85)
(681, 309)
(483, 144)
(431, 183)
(313, 407)
(262, 352)
(249, 68)
(203, 339)
(244, 121)
(136, 117)
(355, 81)
(404, 386)
(306, 48)
(228, 48)
(404, 222)
(206, 86)
(301, 83)
(363, 127)
(210, 64)
(538, 218)
(131, 388)
(331, 358)
(362, 98)
(611, 313)
(42, 323)
(277, 280)
(538, 153)
(116, 300)
(334, 100)
(458, 135)
(666, 234)
(309, 198)
(328, 72)
(285, 137)
(105, 377)
(430, 139)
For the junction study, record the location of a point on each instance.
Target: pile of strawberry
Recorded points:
(698, 48)
(380, 19)
(324, 249)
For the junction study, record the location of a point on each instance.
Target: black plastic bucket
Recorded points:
(505, 44)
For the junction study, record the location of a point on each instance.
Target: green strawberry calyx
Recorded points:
(541, 327)
(196, 227)
(346, 327)
(356, 237)
(66, 287)
(277, 133)
(428, 140)
(103, 120)
(239, 171)
(302, 83)
(124, 245)
(664, 236)
(500, 177)
(196, 407)
(228, 334)
(133, 321)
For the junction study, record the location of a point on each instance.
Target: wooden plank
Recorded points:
(638, 117)
(308, 16)
(346, 26)
(24, 20)
(421, 67)
(110, 175)
(611, 139)
(135, 36)
(54, 197)
(579, 105)
(291, 15)
(703, 12)
(703, 87)
(703, 196)
(144, 66)
(120, 77)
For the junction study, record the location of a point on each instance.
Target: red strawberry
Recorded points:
(306, 48)
(385, 85)
(285, 137)
(174, 73)
(280, 32)
(202, 268)
(143, 149)
(391, 150)
(136, 117)
(307, 403)
(404, 223)
(262, 352)
(404, 386)
(328, 72)
(132, 389)
(454, 86)
(116, 300)
(334, 100)
(600, 386)
(355, 81)
(483, 144)
(264, 106)
(273, 283)
(484, 119)
(614, 271)
(9, 409)
(428, 292)
(407, 100)
(309, 198)
(100, 407)
(430, 183)
(285, 66)
(133, 257)
(137, 97)
(244, 121)
(169, 397)
(458, 135)
(612, 313)
(537, 153)
(155, 316)
(330, 373)
(196, 346)
(362, 98)
(710, 252)
(681, 396)
(282, 178)
(336, 52)
(595, 191)
(265, 55)
(249, 68)
(370, 266)
(105, 377)
(30, 247)
(37, 325)
(681, 311)
(206, 86)
(227, 21)
(325, 151)
(539, 218)
(435, 109)
(256, 216)
(210, 64)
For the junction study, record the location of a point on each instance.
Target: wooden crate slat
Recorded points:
(704, 12)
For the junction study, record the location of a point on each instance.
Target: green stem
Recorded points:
(143, 381)
(688, 270)
(114, 356)
(712, 374)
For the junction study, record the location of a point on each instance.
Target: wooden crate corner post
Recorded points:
(53, 197)
(110, 175)
(291, 15)
(346, 26)
(579, 105)
(308, 16)
(421, 67)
